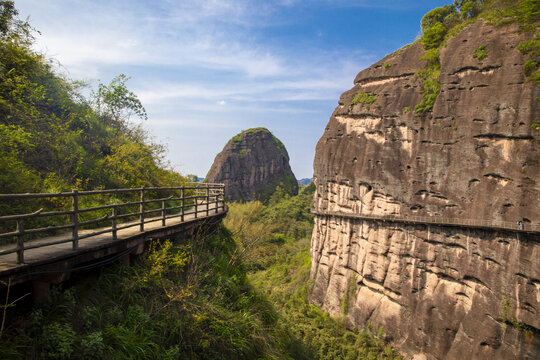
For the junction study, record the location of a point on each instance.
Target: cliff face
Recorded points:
(252, 165)
(439, 291)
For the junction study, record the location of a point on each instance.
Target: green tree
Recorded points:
(116, 103)
(438, 15)
(469, 8)
(433, 36)
(11, 28)
(8, 14)
(15, 175)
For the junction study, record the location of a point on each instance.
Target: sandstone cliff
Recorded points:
(441, 292)
(252, 165)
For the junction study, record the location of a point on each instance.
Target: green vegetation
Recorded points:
(430, 76)
(364, 98)
(535, 126)
(531, 67)
(237, 139)
(480, 53)
(277, 186)
(54, 139)
(508, 319)
(441, 24)
(239, 292)
(275, 242)
(179, 301)
(435, 25)
(351, 287)
(387, 66)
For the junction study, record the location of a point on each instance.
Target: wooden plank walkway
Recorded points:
(451, 222)
(49, 253)
(51, 259)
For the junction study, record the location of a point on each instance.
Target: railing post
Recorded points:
(141, 209)
(114, 215)
(207, 198)
(196, 202)
(223, 198)
(182, 204)
(216, 199)
(163, 212)
(20, 241)
(75, 219)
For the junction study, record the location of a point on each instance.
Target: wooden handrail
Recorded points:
(494, 224)
(22, 216)
(198, 194)
(189, 186)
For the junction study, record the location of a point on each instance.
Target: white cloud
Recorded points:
(199, 63)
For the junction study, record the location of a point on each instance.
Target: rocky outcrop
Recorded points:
(252, 165)
(440, 292)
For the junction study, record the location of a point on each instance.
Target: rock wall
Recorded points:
(251, 165)
(440, 292)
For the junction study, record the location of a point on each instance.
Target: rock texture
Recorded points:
(440, 292)
(252, 165)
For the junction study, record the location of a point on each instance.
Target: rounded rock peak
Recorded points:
(252, 165)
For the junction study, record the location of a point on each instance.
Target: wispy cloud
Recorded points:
(207, 64)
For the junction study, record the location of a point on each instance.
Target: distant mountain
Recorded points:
(252, 165)
(305, 181)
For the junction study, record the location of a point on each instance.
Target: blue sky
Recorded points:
(205, 70)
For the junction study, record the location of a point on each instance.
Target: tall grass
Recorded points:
(275, 241)
(237, 293)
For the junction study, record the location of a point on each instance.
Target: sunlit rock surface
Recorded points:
(252, 165)
(439, 292)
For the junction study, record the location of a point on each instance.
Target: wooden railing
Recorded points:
(193, 198)
(476, 223)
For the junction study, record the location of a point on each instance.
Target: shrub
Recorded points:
(58, 340)
(531, 68)
(480, 53)
(469, 8)
(431, 89)
(437, 17)
(433, 36)
(92, 346)
(364, 98)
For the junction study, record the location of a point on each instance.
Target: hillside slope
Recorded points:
(53, 139)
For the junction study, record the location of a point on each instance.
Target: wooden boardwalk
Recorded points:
(44, 253)
(50, 259)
